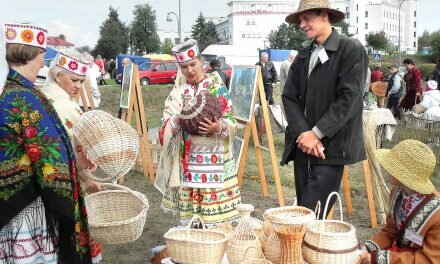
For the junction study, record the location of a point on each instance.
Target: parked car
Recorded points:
(226, 68)
(156, 72)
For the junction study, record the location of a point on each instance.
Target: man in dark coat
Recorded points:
(323, 104)
(269, 74)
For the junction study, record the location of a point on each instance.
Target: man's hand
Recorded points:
(309, 143)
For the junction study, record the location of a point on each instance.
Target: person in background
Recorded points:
(413, 79)
(43, 217)
(91, 76)
(124, 62)
(377, 74)
(101, 64)
(394, 90)
(285, 66)
(113, 69)
(323, 104)
(430, 105)
(269, 74)
(215, 67)
(436, 74)
(204, 193)
(412, 231)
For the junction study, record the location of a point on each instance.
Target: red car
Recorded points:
(226, 68)
(156, 72)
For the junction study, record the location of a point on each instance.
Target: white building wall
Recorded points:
(173, 36)
(410, 25)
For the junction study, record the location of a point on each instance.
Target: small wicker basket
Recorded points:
(110, 142)
(252, 260)
(196, 246)
(116, 215)
(330, 241)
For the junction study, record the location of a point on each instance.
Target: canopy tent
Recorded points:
(134, 59)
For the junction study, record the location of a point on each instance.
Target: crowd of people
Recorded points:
(44, 173)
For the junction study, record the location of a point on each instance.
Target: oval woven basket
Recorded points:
(110, 142)
(203, 105)
(116, 215)
(196, 246)
(330, 241)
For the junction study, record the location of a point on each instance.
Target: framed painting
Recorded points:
(126, 86)
(237, 149)
(242, 90)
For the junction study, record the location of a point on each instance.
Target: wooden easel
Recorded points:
(89, 97)
(252, 126)
(136, 104)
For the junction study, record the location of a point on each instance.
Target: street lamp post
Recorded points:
(400, 53)
(179, 22)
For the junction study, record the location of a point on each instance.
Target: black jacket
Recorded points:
(331, 98)
(436, 75)
(223, 75)
(268, 72)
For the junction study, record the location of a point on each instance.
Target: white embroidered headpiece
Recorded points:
(71, 65)
(26, 34)
(187, 54)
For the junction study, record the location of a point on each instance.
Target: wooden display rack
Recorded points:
(252, 127)
(136, 104)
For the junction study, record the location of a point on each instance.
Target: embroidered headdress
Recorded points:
(186, 52)
(26, 34)
(71, 65)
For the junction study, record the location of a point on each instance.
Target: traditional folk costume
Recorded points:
(43, 216)
(412, 231)
(413, 79)
(196, 174)
(69, 111)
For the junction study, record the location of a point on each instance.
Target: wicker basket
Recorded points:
(251, 260)
(116, 215)
(330, 241)
(196, 246)
(110, 142)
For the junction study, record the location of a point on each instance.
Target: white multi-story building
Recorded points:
(173, 36)
(249, 22)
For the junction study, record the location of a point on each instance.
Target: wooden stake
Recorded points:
(347, 195)
(259, 157)
(369, 188)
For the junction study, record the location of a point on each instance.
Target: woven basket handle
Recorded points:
(326, 205)
(317, 209)
(258, 250)
(194, 218)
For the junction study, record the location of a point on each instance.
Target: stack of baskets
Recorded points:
(330, 241)
(117, 214)
(196, 246)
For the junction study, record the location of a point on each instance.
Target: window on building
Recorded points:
(248, 35)
(176, 40)
(243, 35)
(347, 9)
(253, 22)
(253, 8)
(414, 44)
(366, 13)
(366, 25)
(357, 19)
(415, 24)
(357, 7)
(248, 22)
(253, 35)
(357, 30)
(414, 34)
(415, 13)
(347, 15)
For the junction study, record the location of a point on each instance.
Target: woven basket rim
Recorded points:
(270, 214)
(122, 222)
(169, 236)
(311, 228)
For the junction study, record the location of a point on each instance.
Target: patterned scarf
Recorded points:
(37, 159)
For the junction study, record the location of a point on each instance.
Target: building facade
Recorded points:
(172, 36)
(249, 22)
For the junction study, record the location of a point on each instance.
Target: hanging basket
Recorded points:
(196, 246)
(330, 241)
(110, 142)
(116, 215)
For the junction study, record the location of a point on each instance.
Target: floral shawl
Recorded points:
(36, 159)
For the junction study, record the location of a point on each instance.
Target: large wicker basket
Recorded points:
(253, 260)
(110, 142)
(116, 215)
(196, 246)
(330, 241)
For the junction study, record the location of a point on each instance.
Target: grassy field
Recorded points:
(158, 222)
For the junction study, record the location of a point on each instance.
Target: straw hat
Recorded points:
(411, 162)
(307, 5)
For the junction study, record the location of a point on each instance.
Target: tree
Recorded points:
(113, 37)
(287, 37)
(424, 40)
(435, 43)
(344, 28)
(84, 48)
(62, 36)
(204, 32)
(167, 46)
(144, 30)
(377, 40)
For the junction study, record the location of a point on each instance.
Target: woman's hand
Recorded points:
(83, 161)
(92, 186)
(209, 127)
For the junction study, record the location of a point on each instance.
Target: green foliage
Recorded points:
(204, 32)
(427, 69)
(62, 36)
(424, 40)
(435, 42)
(344, 27)
(113, 36)
(167, 46)
(287, 37)
(377, 40)
(84, 48)
(143, 31)
(383, 68)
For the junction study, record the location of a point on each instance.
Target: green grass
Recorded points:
(158, 223)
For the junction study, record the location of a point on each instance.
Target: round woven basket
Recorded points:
(110, 142)
(250, 260)
(116, 215)
(196, 246)
(379, 88)
(330, 241)
(203, 105)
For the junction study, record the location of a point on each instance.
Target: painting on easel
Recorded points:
(242, 90)
(237, 149)
(126, 86)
